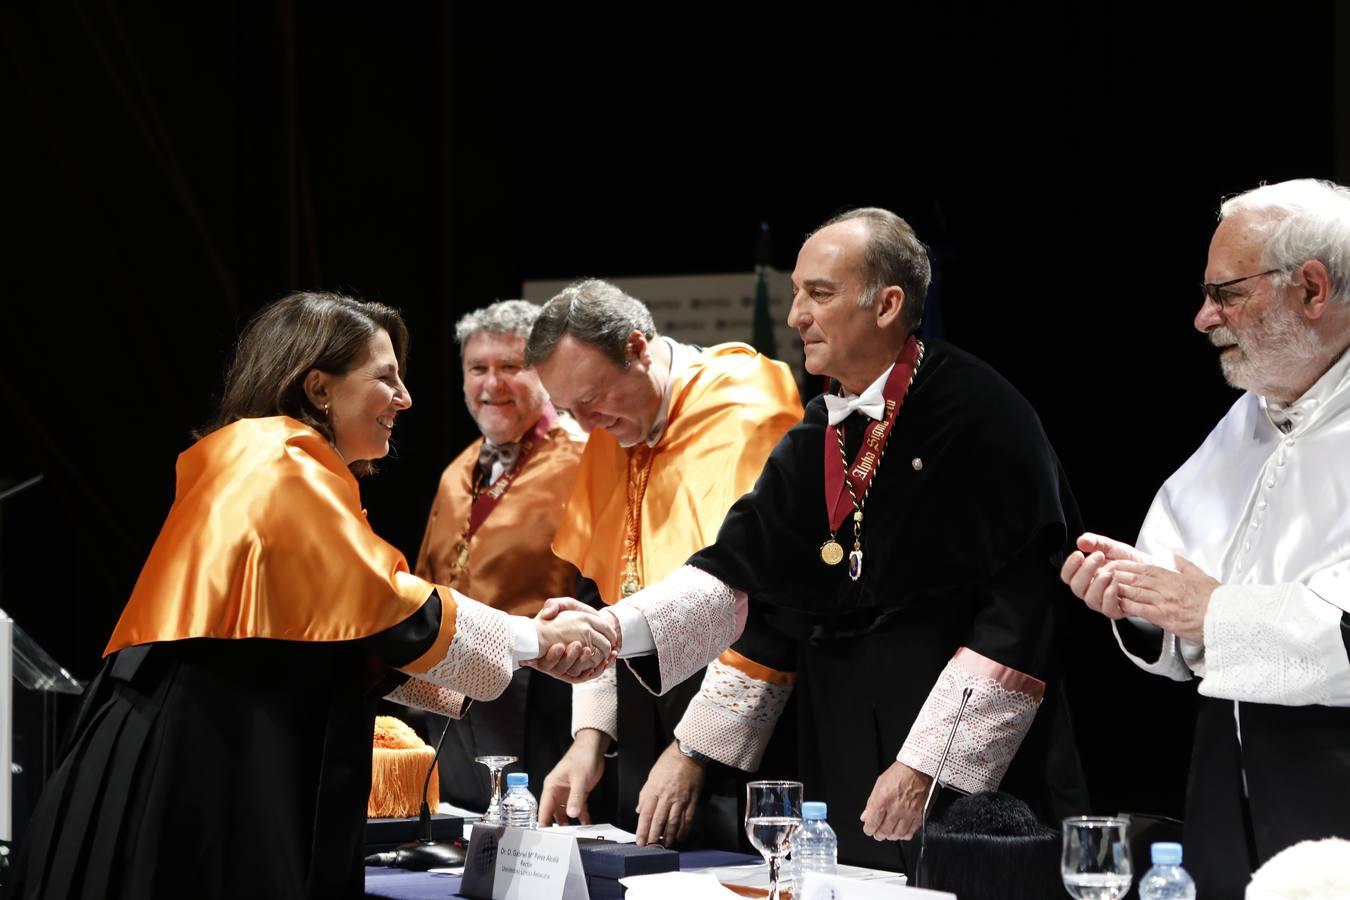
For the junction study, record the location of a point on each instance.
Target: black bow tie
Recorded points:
(490, 453)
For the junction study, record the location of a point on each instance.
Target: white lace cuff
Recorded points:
(1274, 644)
(595, 704)
(693, 617)
(479, 661)
(421, 694)
(1002, 704)
(734, 714)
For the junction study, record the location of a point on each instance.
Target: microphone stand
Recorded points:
(932, 788)
(20, 487)
(425, 852)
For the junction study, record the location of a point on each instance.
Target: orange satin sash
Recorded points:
(266, 538)
(727, 411)
(511, 565)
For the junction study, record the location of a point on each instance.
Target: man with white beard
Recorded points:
(1241, 574)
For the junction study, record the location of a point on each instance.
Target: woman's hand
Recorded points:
(576, 642)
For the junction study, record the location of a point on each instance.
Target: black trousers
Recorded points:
(1287, 780)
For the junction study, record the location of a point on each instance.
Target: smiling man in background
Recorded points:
(488, 536)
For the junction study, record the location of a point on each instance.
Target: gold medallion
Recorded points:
(632, 583)
(831, 552)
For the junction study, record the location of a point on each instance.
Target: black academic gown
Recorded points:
(646, 729)
(220, 768)
(964, 531)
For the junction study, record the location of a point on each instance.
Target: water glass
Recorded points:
(1096, 862)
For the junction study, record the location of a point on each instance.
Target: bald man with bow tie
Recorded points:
(901, 546)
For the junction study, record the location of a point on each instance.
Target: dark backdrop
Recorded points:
(169, 168)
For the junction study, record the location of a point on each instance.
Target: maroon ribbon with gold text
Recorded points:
(837, 499)
(486, 501)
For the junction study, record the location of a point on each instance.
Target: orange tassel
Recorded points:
(398, 768)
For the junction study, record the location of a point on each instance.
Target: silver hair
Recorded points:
(894, 255)
(509, 317)
(1303, 219)
(594, 312)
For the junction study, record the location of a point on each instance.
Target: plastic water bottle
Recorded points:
(519, 807)
(1167, 880)
(814, 846)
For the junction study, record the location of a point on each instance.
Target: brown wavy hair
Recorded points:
(285, 340)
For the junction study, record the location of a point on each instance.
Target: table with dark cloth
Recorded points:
(400, 884)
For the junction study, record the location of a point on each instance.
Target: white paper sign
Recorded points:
(836, 887)
(523, 864)
(675, 886)
(603, 831)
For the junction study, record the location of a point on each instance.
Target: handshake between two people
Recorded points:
(576, 642)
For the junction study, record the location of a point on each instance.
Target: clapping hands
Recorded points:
(1088, 571)
(1117, 580)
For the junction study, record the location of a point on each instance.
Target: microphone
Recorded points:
(424, 815)
(11, 490)
(932, 788)
(423, 853)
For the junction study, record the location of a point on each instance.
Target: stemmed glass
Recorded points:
(773, 813)
(1096, 862)
(495, 764)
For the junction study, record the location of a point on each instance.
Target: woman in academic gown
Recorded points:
(224, 750)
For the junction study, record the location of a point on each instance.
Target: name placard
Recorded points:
(506, 863)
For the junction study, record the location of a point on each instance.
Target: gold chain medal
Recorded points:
(631, 585)
(855, 556)
(840, 493)
(459, 557)
(639, 471)
(461, 562)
